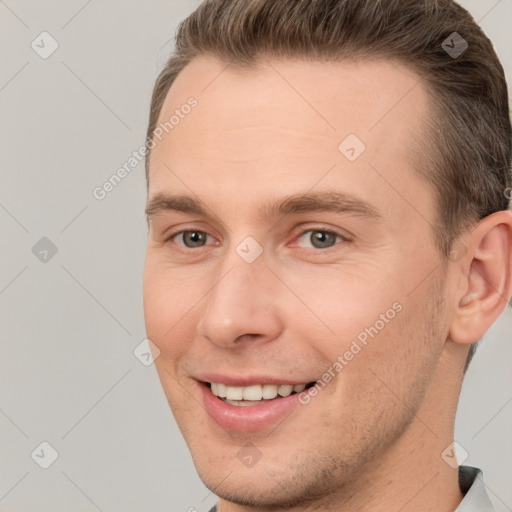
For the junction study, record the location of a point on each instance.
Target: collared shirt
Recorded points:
(471, 484)
(472, 487)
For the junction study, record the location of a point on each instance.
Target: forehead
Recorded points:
(290, 121)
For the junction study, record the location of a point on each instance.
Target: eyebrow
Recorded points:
(336, 202)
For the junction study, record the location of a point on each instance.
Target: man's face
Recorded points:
(246, 295)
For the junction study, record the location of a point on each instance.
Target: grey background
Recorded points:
(69, 325)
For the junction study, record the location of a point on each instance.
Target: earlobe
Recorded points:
(486, 286)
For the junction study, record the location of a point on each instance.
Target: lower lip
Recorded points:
(248, 418)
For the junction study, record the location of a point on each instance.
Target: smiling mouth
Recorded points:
(254, 395)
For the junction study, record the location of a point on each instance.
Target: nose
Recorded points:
(242, 305)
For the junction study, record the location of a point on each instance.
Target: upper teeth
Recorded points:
(256, 392)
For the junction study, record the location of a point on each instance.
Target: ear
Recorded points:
(486, 284)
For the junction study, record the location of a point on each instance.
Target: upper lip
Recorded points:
(249, 380)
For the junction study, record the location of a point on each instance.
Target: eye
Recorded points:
(191, 238)
(320, 238)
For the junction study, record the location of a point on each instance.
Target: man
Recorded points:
(329, 238)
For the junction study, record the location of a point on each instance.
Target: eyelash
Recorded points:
(317, 229)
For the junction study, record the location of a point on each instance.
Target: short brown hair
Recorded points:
(467, 144)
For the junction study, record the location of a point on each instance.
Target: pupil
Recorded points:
(194, 238)
(321, 239)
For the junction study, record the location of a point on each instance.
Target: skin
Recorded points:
(372, 439)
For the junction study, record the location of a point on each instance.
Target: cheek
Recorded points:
(156, 309)
(383, 379)
(399, 359)
(340, 305)
(167, 307)
(374, 331)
